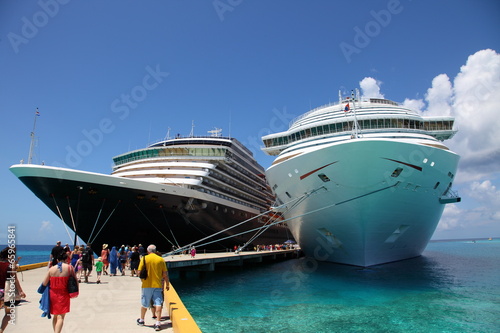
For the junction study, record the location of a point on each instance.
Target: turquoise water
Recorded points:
(453, 287)
(32, 254)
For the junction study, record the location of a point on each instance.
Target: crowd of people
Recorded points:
(79, 263)
(274, 247)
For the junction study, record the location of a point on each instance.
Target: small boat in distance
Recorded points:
(172, 193)
(363, 181)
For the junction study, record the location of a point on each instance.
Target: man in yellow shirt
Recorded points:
(152, 286)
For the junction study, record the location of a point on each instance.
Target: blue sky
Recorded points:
(112, 76)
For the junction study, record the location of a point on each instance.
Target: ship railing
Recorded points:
(450, 196)
(190, 137)
(294, 120)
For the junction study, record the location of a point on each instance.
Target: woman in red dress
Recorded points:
(58, 276)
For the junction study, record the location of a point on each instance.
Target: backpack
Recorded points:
(86, 256)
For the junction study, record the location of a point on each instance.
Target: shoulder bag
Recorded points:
(72, 284)
(143, 274)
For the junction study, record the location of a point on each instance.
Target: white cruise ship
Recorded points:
(172, 193)
(363, 181)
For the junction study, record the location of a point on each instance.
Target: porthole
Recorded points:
(396, 172)
(324, 177)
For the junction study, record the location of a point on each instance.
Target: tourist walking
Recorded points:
(152, 287)
(87, 261)
(135, 257)
(105, 258)
(54, 253)
(113, 261)
(6, 271)
(58, 276)
(123, 259)
(98, 269)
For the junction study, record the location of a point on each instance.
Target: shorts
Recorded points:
(87, 266)
(151, 295)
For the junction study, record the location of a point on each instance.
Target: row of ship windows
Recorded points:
(230, 169)
(166, 152)
(233, 183)
(345, 126)
(222, 196)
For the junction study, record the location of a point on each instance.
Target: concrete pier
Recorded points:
(209, 261)
(112, 306)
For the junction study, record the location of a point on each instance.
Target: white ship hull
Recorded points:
(360, 213)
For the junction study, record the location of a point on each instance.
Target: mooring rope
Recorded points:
(112, 212)
(97, 219)
(243, 222)
(147, 219)
(299, 199)
(170, 229)
(61, 217)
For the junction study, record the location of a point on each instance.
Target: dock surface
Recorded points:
(209, 261)
(111, 306)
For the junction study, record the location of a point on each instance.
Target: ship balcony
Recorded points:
(450, 197)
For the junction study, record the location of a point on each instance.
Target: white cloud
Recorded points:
(414, 104)
(439, 96)
(485, 191)
(451, 218)
(475, 106)
(370, 87)
(46, 226)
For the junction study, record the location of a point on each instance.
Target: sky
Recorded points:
(111, 76)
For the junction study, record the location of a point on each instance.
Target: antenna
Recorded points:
(216, 132)
(32, 144)
(192, 129)
(356, 127)
(167, 137)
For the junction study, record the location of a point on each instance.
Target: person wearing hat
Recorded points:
(98, 268)
(105, 258)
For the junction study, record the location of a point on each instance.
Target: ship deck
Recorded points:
(211, 261)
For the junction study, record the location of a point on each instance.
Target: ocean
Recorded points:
(453, 287)
(32, 254)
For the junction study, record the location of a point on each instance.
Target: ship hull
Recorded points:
(364, 202)
(105, 209)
